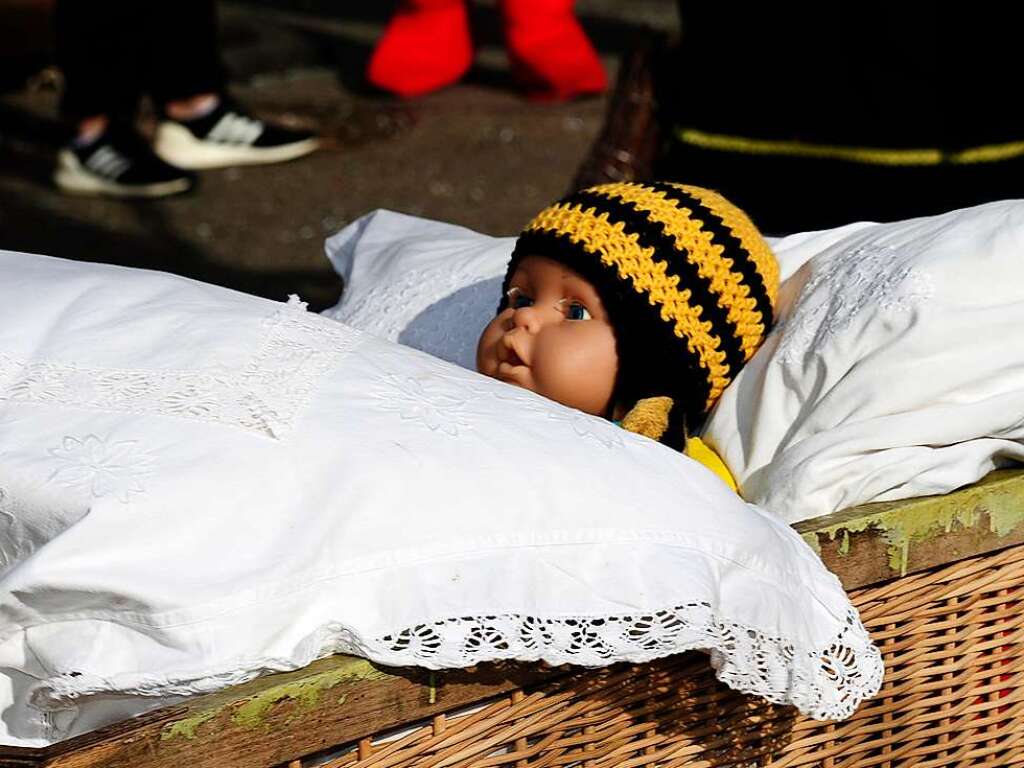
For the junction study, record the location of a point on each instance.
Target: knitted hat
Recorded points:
(687, 280)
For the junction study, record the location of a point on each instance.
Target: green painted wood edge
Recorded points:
(247, 705)
(995, 502)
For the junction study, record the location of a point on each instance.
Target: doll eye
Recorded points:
(574, 310)
(517, 299)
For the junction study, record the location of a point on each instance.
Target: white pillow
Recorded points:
(896, 369)
(428, 285)
(197, 486)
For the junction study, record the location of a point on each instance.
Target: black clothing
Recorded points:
(111, 53)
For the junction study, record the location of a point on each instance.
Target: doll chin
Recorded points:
(513, 374)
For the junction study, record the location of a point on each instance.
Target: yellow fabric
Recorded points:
(698, 450)
(649, 417)
(744, 230)
(869, 155)
(697, 243)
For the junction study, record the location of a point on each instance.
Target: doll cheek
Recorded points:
(487, 347)
(576, 370)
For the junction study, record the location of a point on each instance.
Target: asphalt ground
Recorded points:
(477, 154)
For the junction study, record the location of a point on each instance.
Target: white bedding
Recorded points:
(197, 486)
(896, 369)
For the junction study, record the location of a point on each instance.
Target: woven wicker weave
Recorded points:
(944, 633)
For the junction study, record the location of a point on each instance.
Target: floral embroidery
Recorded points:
(852, 281)
(429, 400)
(583, 424)
(104, 468)
(44, 385)
(590, 427)
(385, 309)
(265, 397)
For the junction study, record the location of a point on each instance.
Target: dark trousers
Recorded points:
(111, 53)
(910, 75)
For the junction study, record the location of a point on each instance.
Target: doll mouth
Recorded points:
(512, 368)
(509, 355)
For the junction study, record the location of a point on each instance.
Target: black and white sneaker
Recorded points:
(226, 136)
(118, 163)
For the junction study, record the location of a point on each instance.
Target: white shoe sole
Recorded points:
(72, 176)
(175, 144)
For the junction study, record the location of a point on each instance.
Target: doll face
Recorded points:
(553, 338)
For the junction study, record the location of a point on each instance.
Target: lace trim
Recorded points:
(264, 397)
(825, 683)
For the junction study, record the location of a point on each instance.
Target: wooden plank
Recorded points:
(876, 542)
(277, 718)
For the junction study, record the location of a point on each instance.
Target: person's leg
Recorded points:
(97, 51)
(184, 72)
(99, 46)
(549, 51)
(200, 126)
(426, 46)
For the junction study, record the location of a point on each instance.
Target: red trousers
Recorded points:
(427, 45)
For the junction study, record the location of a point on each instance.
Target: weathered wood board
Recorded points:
(276, 718)
(875, 542)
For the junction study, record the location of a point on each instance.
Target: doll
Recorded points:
(427, 46)
(638, 302)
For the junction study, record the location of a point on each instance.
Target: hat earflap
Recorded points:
(658, 419)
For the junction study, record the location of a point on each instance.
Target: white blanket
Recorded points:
(198, 486)
(896, 369)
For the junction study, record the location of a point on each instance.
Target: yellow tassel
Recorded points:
(649, 417)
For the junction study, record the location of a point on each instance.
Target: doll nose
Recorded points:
(530, 318)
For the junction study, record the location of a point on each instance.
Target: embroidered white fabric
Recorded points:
(425, 284)
(896, 368)
(844, 286)
(197, 487)
(262, 397)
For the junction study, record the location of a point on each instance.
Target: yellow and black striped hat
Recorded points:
(687, 279)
